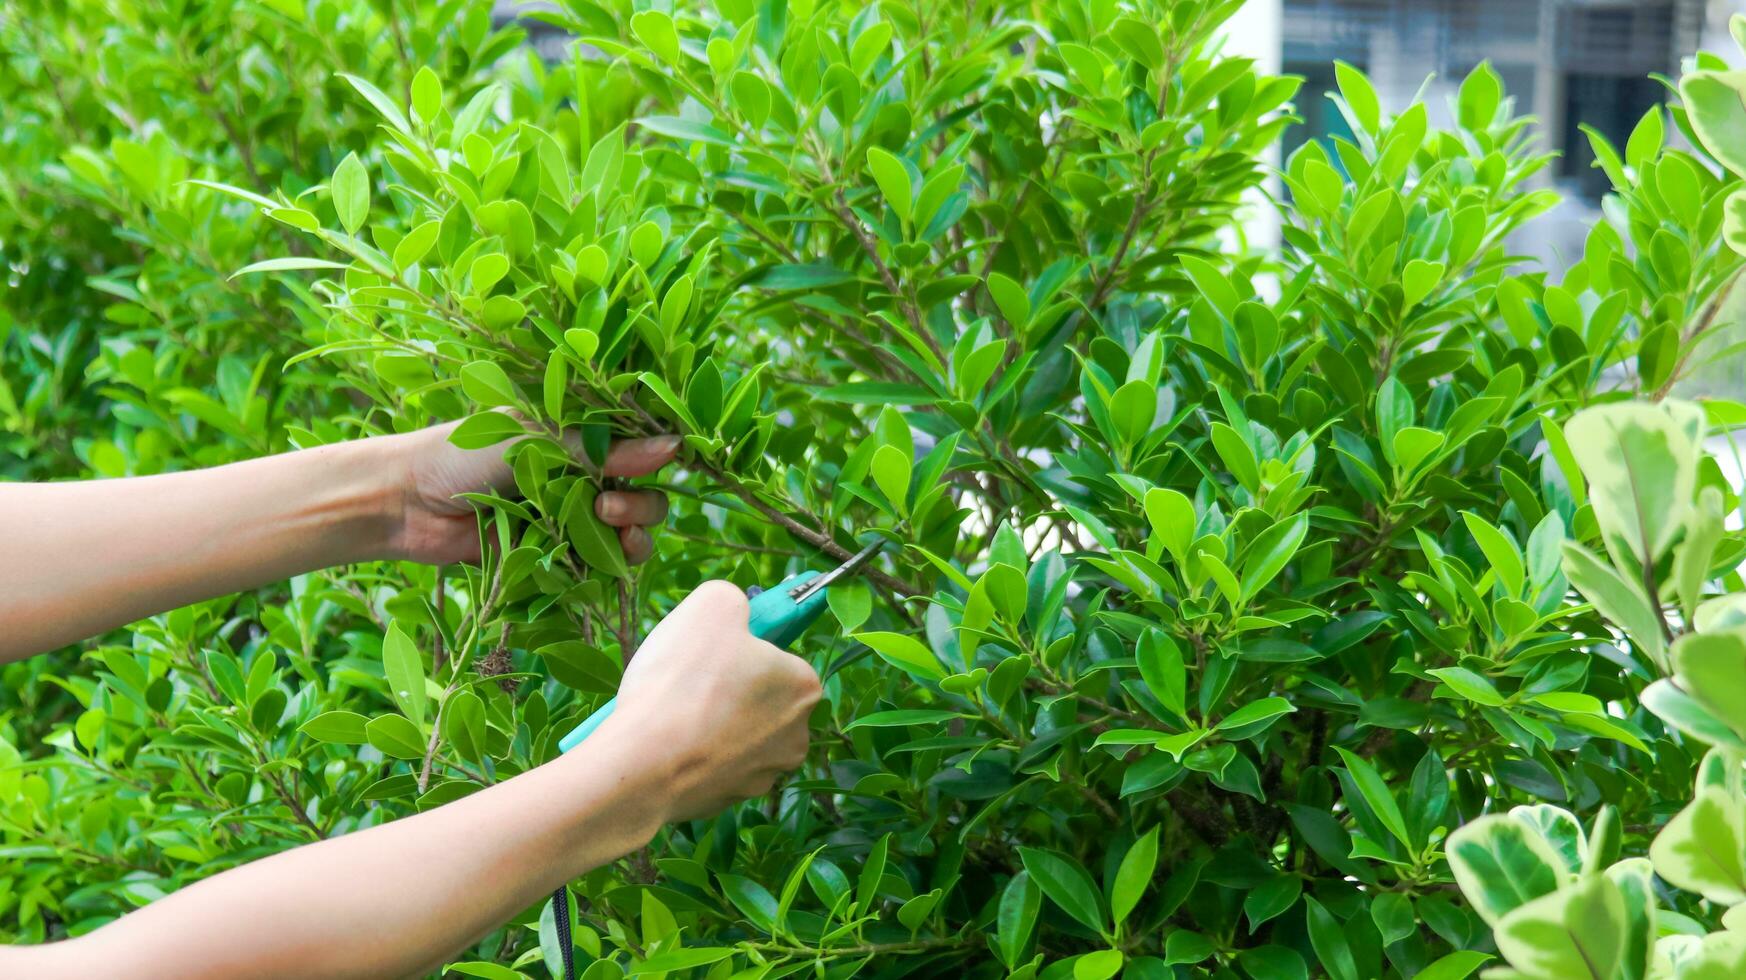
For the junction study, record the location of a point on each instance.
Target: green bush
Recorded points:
(1221, 586)
(1559, 900)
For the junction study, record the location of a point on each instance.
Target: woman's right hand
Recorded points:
(722, 713)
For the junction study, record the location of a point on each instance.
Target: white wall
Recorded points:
(1256, 32)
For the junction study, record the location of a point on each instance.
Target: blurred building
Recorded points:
(1566, 62)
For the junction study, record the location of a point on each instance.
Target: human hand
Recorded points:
(436, 525)
(722, 713)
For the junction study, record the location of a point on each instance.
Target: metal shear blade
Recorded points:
(813, 586)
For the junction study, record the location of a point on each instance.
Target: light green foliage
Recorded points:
(1557, 906)
(1221, 585)
(1715, 114)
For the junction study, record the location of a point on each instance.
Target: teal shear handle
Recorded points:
(779, 615)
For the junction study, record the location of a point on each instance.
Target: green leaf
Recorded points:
(891, 471)
(1695, 556)
(1393, 914)
(1161, 667)
(1474, 687)
(239, 193)
(1010, 299)
(463, 725)
(851, 602)
(670, 398)
(427, 95)
(380, 102)
(1181, 742)
(1618, 599)
(685, 130)
(1641, 464)
(1330, 942)
(1502, 864)
(416, 245)
(1710, 668)
(878, 393)
(1134, 876)
(1417, 280)
(669, 960)
(1677, 708)
(1413, 445)
(1481, 93)
(1132, 410)
(1635, 879)
(752, 899)
(1171, 517)
(1271, 552)
(872, 873)
(395, 736)
(1066, 884)
(1255, 712)
(486, 429)
(807, 277)
(1703, 848)
(906, 716)
(1500, 551)
(404, 668)
(1734, 221)
(295, 217)
(657, 32)
(1360, 97)
(905, 653)
(869, 46)
(486, 271)
(1140, 40)
(288, 264)
(1715, 104)
(1017, 917)
(1576, 931)
(1271, 899)
(893, 179)
(1376, 793)
(581, 666)
(595, 542)
(1237, 456)
(1646, 139)
(486, 970)
(487, 384)
(1187, 946)
(343, 727)
(1273, 963)
(1454, 966)
(1101, 965)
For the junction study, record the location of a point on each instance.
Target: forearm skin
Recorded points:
(396, 900)
(77, 559)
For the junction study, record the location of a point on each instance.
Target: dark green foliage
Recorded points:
(1224, 583)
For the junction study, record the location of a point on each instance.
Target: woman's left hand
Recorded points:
(437, 526)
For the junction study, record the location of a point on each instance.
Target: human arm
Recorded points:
(80, 558)
(400, 899)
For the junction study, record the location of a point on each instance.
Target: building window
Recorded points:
(1565, 61)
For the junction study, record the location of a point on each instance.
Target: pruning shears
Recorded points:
(779, 615)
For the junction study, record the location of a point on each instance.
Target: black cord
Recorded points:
(561, 919)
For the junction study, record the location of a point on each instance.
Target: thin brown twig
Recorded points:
(847, 216)
(817, 539)
(437, 655)
(627, 627)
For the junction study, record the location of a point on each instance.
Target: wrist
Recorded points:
(640, 771)
(362, 500)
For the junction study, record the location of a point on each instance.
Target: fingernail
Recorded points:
(638, 546)
(610, 506)
(668, 443)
